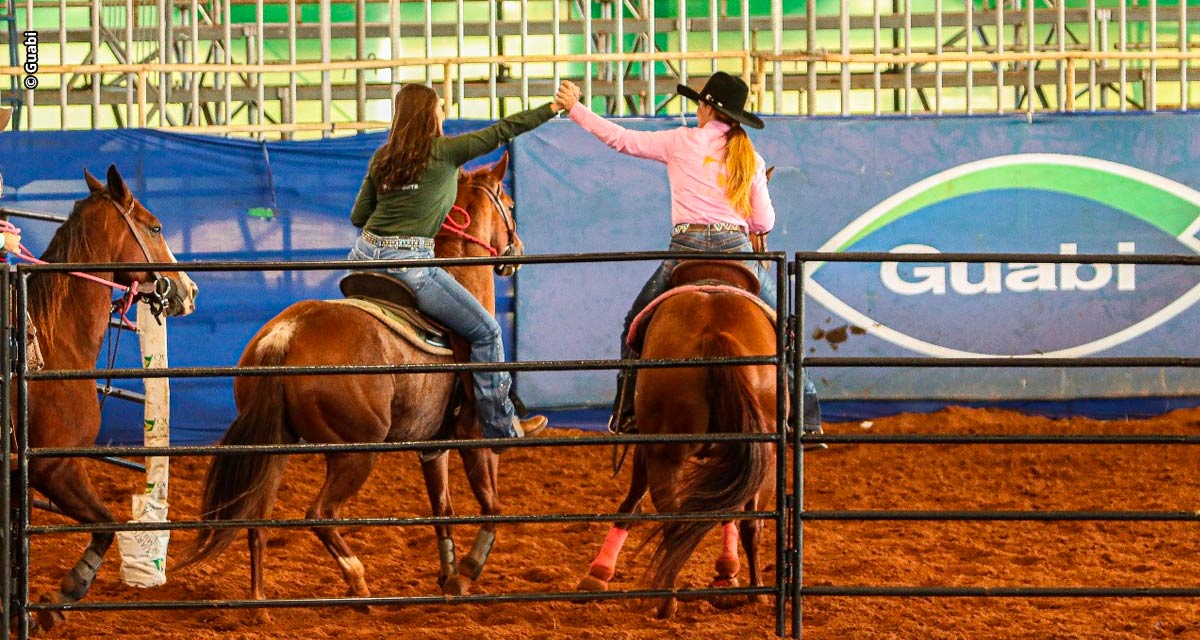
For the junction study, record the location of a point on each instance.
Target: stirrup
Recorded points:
(618, 424)
(813, 446)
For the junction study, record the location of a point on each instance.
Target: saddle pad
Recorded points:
(643, 318)
(401, 326)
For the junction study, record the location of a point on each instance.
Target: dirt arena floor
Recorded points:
(531, 558)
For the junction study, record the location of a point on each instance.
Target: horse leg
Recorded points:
(257, 539)
(345, 474)
(667, 474)
(727, 565)
(437, 484)
(481, 466)
(604, 565)
(751, 534)
(65, 482)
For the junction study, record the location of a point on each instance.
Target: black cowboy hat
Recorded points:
(727, 94)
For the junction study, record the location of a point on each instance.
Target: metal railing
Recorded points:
(18, 532)
(800, 360)
(1136, 56)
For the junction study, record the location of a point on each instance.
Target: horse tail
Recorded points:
(735, 471)
(243, 486)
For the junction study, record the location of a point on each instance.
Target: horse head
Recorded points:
(482, 193)
(123, 231)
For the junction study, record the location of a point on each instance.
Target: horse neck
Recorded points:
(77, 315)
(476, 279)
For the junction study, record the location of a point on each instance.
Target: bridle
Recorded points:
(459, 228)
(154, 293)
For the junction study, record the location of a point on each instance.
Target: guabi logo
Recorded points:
(1027, 203)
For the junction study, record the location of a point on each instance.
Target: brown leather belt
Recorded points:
(701, 228)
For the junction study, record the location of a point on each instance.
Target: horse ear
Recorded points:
(116, 185)
(93, 184)
(770, 170)
(500, 168)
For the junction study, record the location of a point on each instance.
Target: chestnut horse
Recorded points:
(71, 315)
(358, 408)
(690, 477)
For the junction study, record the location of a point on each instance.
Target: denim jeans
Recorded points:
(442, 298)
(727, 242)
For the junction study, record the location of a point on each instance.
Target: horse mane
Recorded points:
(71, 243)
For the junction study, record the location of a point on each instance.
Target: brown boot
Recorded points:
(525, 428)
(529, 427)
(623, 420)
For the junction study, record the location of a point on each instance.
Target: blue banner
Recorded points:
(218, 199)
(1111, 184)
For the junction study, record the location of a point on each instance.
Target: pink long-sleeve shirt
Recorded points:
(695, 159)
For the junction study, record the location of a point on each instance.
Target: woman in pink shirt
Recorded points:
(718, 198)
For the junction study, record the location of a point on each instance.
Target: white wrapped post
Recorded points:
(144, 553)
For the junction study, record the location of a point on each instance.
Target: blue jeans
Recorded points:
(442, 298)
(726, 242)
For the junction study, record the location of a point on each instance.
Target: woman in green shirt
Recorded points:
(409, 188)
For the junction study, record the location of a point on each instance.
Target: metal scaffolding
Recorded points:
(283, 66)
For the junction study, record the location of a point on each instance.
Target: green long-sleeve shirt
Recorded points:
(419, 209)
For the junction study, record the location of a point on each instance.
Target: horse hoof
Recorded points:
(728, 566)
(45, 621)
(469, 568)
(592, 583)
(667, 609)
(724, 582)
(457, 585)
(261, 617)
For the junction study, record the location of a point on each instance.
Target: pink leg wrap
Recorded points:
(728, 563)
(730, 531)
(605, 564)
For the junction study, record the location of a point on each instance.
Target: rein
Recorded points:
(131, 293)
(460, 228)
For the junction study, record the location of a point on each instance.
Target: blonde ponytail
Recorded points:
(739, 168)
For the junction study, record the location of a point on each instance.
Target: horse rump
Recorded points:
(734, 472)
(242, 486)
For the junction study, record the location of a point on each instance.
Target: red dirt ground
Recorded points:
(534, 558)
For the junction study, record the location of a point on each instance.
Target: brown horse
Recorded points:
(358, 408)
(71, 315)
(687, 477)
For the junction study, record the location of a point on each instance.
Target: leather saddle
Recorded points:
(396, 299)
(715, 272)
(704, 275)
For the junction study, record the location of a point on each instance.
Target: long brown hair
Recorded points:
(739, 165)
(402, 159)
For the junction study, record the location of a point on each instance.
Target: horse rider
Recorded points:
(718, 198)
(12, 244)
(410, 185)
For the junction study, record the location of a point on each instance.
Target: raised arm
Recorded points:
(652, 145)
(468, 146)
(762, 213)
(364, 205)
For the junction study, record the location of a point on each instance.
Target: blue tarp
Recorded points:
(204, 189)
(1098, 184)
(574, 195)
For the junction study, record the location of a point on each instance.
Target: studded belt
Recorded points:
(398, 242)
(701, 228)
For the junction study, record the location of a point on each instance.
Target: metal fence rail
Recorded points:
(788, 516)
(799, 360)
(19, 531)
